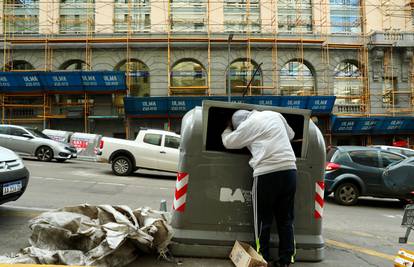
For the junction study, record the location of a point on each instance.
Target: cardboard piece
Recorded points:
(404, 258)
(243, 255)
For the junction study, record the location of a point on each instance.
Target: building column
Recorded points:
(268, 20)
(321, 17)
(1, 17)
(216, 16)
(49, 16)
(104, 15)
(159, 16)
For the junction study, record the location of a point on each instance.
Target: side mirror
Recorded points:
(27, 136)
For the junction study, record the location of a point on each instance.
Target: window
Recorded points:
(17, 131)
(153, 139)
(345, 16)
(172, 141)
(388, 158)
(347, 87)
(294, 16)
(75, 64)
(241, 71)
(191, 74)
(133, 16)
(4, 130)
(188, 15)
(21, 16)
(296, 78)
(241, 17)
(77, 16)
(139, 77)
(367, 158)
(19, 65)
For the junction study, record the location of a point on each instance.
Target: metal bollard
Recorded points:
(163, 205)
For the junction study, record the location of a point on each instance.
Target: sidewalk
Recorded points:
(334, 257)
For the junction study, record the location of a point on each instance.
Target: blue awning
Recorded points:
(373, 125)
(62, 81)
(175, 105)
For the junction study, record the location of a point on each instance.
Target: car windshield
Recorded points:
(37, 133)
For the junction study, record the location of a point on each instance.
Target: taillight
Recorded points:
(330, 166)
(101, 144)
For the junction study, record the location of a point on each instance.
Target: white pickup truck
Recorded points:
(152, 149)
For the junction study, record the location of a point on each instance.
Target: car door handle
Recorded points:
(163, 152)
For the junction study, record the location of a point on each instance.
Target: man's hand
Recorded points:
(229, 124)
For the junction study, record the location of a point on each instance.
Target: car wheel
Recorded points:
(61, 160)
(122, 166)
(44, 153)
(346, 194)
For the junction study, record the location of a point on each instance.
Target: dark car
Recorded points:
(399, 178)
(13, 176)
(354, 171)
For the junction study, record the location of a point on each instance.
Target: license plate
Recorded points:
(12, 187)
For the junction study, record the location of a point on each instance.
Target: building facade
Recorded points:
(360, 52)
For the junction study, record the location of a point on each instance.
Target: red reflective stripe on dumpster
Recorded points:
(319, 202)
(180, 195)
(181, 192)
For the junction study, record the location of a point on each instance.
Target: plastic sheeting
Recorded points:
(95, 235)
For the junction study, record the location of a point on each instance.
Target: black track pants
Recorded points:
(273, 196)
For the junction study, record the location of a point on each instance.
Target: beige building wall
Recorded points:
(216, 16)
(159, 16)
(268, 16)
(1, 16)
(49, 16)
(392, 16)
(104, 16)
(321, 17)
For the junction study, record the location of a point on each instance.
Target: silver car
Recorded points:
(32, 142)
(13, 176)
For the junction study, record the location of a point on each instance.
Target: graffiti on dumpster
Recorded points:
(230, 195)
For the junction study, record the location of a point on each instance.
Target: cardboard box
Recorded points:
(404, 258)
(243, 255)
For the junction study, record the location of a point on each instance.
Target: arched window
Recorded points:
(188, 73)
(74, 64)
(241, 72)
(296, 79)
(19, 65)
(347, 86)
(138, 77)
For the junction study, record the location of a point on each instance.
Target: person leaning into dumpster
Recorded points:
(267, 135)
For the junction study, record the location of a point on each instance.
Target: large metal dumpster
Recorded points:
(212, 202)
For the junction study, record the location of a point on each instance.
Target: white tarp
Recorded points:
(95, 235)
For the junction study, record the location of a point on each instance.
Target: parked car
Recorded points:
(14, 176)
(152, 149)
(399, 178)
(354, 171)
(32, 142)
(400, 150)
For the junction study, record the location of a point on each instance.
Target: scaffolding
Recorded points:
(208, 39)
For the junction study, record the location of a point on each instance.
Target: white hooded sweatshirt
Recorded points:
(267, 135)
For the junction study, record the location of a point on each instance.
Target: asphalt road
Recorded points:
(363, 235)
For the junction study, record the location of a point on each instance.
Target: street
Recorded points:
(362, 235)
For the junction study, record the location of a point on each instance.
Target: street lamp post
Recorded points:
(228, 67)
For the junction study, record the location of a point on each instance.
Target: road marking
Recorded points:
(112, 184)
(25, 208)
(359, 249)
(99, 183)
(362, 234)
(19, 211)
